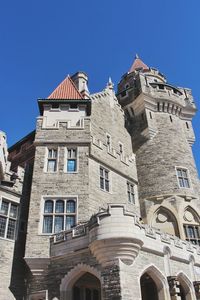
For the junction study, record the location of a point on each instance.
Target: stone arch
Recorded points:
(72, 276)
(160, 281)
(191, 222)
(186, 286)
(193, 217)
(164, 219)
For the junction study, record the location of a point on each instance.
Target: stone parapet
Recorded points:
(118, 234)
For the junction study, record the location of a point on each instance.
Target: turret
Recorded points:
(158, 118)
(3, 154)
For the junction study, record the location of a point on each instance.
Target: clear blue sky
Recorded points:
(44, 40)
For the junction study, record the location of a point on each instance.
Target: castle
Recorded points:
(101, 201)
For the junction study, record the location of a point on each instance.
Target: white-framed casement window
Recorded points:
(72, 165)
(59, 214)
(108, 142)
(104, 179)
(183, 177)
(192, 233)
(8, 219)
(131, 193)
(52, 158)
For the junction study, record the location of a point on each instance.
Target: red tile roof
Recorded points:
(66, 90)
(137, 65)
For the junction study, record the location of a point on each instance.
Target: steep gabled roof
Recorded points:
(66, 90)
(138, 64)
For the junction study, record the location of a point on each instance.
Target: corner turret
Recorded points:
(159, 120)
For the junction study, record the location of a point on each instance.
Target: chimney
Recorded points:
(80, 80)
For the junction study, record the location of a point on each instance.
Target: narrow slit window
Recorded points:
(104, 179)
(131, 193)
(108, 142)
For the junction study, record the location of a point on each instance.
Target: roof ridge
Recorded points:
(66, 90)
(138, 64)
(74, 86)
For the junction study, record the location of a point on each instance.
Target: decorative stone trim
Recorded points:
(78, 231)
(165, 238)
(150, 232)
(174, 286)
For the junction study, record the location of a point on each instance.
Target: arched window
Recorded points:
(59, 214)
(48, 208)
(185, 287)
(59, 206)
(165, 220)
(148, 288)
(192, 226)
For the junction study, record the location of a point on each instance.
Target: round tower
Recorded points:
(158, 118)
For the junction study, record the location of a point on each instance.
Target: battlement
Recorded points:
(116, 223)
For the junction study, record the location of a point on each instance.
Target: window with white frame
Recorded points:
(131, 193)
(108, 142)
(183, 178)
(192, 233)
(104, 179)
(52, 160)
(8, 219)
(71, 160)
(59, 214)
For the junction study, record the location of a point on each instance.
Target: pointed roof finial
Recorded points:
(138, 65)
(110, 84)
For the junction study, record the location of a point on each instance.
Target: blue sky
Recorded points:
(43, 41)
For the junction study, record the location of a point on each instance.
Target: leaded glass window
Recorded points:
(183, 179)
(8, 219)
(192, 233)
(59, 214)
(104, 179)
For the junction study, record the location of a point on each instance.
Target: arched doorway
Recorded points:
(149, 289)
(87, 287)
(182, 293)
(186, 287)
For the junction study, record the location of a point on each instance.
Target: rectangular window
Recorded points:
(8, 219)
(58, 215)
(131, 193)
(183, 178)
(104, 179)
(192, 233)
(52, 160)
(71, 160)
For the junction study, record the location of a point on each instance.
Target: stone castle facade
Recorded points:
(101, 201)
